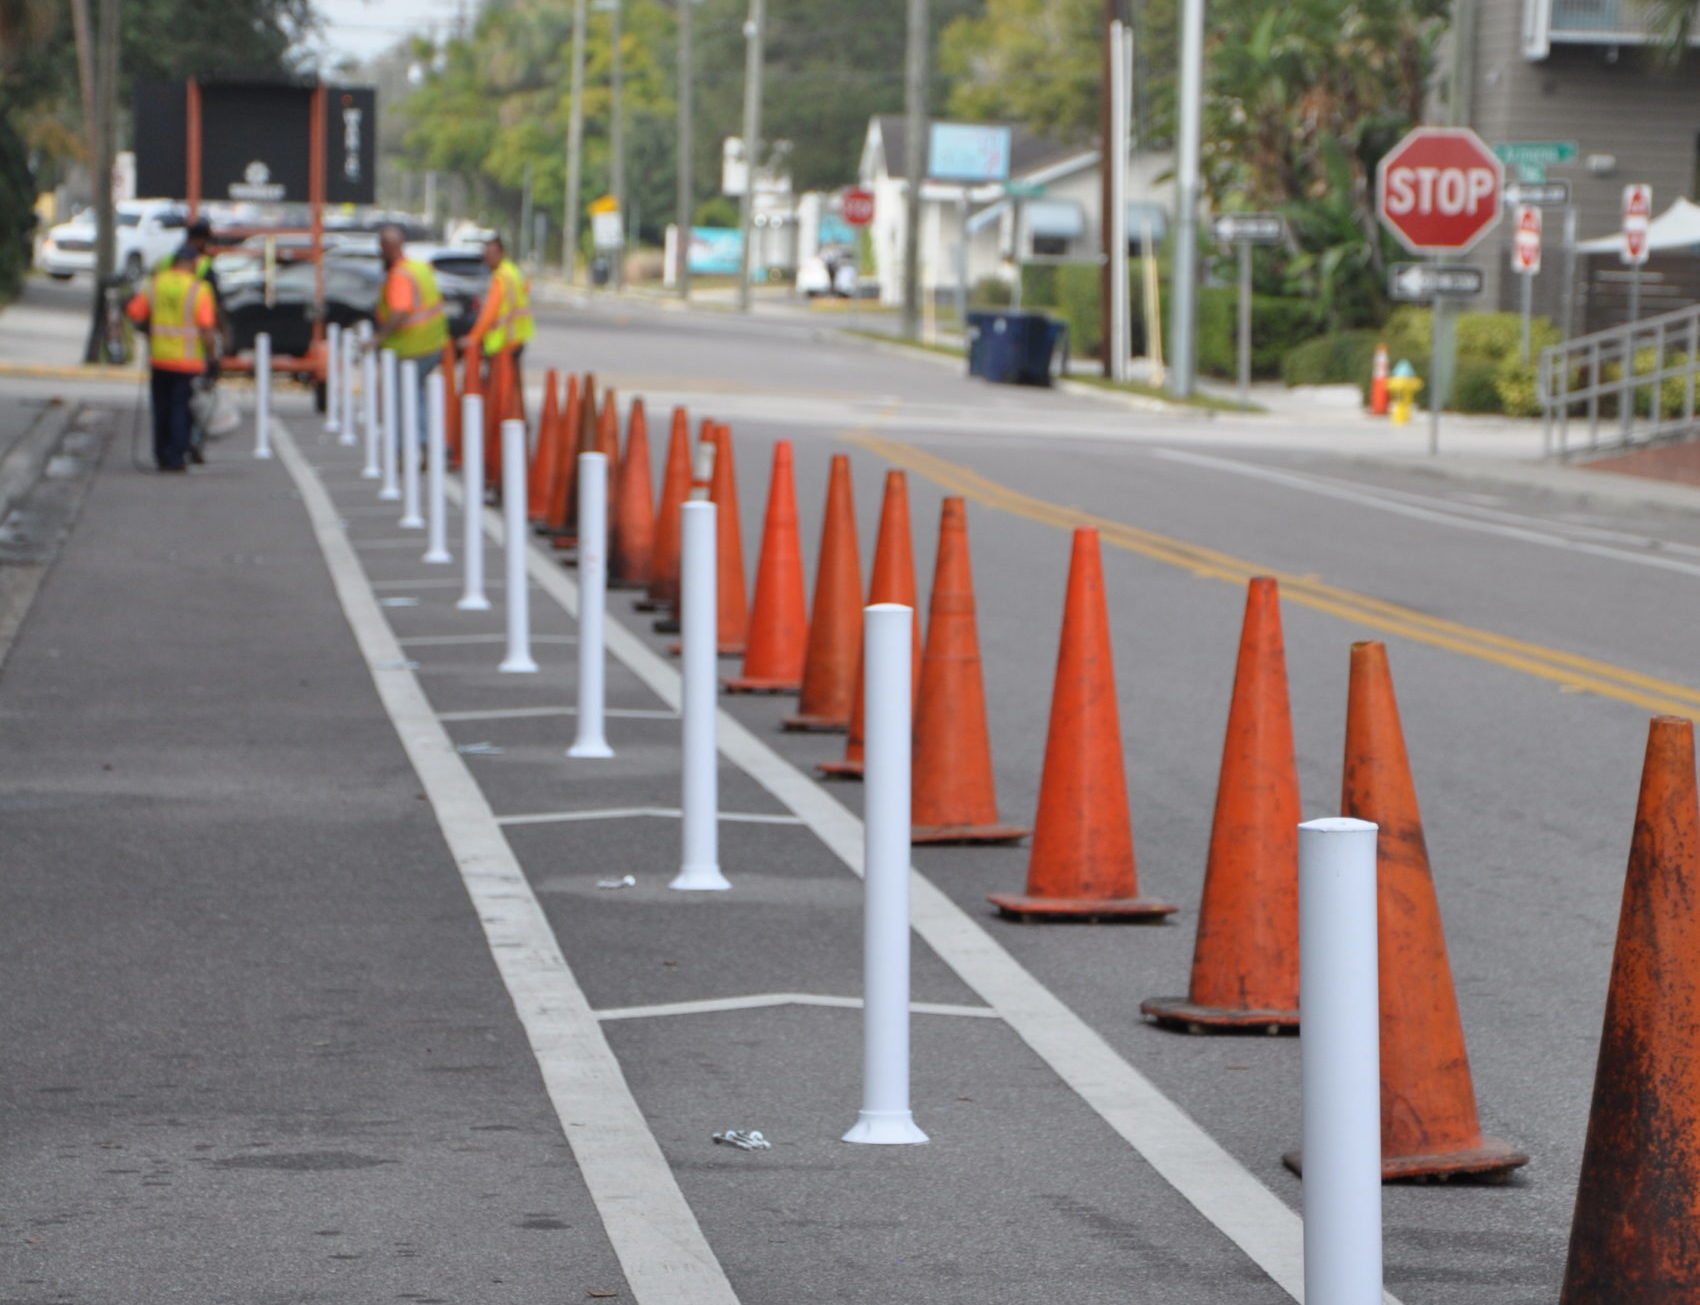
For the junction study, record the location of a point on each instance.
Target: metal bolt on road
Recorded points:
(472, 597)
(699, 691)
(437, 457)
(1340, 1055)
(519, 660)
(592, 602)
(262, 395)
(885, 1118)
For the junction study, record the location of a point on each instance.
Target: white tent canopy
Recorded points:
(1678, 227)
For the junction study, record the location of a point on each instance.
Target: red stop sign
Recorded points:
(1439, 189)
(857, 206)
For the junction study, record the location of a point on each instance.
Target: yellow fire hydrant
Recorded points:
(1403, 386)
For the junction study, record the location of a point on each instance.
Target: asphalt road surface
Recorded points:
(286, 1021)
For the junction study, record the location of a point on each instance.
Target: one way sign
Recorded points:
(1420, 282)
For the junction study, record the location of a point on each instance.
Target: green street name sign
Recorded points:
(1024, 189)
(1531, 158)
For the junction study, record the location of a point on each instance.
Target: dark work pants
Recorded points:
(170, 392)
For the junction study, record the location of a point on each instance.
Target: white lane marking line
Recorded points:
(457, 640)
(1191, 1161)
(715, 1005)
(1392, 501)
(660, 1245)
(433, 582)
(524, 713)
(628, 813)
(386, 543)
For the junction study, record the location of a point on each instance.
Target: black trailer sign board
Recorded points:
(256, 141)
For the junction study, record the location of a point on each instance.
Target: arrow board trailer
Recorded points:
(1420, 282)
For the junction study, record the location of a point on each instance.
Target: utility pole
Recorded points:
(683, 206)
(575, 149)
(914, 163)
(1183, 297)
(754, 30)
(617, 137)
(1107, 224)
(97, 62)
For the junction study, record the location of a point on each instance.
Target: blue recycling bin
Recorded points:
(1015, 348)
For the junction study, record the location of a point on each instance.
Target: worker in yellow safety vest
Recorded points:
(176, 309)
(411, 315)
(504, 323)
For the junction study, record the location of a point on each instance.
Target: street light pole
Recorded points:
(617, 137)
(914, 163)
(687, 136)
(753, 38)
(1183, 302)
(575, 149)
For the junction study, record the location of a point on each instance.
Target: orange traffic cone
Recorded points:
(953, 794)
(1632, 1240)
(835, 627)
(779, 616)
(1378, 381)
(675, 484)
(892, 581)
(1082, 864)
(545, 455)
(699, 487)
(583, 440)
(564, 474)
(451, 406)
(633, 550)
(734, 618)
(1245, 964)
(1428, 1102)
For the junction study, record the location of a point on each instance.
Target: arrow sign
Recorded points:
(1252, 228)
(1637, 216)
(1418, 282)
(1545, 194)
(1526, 244)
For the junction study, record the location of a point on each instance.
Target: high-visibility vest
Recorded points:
(203, 265)
(423, 331)
(174, 340)
(513, 325)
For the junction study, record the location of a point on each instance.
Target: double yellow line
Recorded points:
(1572, 673)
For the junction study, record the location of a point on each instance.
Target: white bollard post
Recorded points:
(333, 376)
(518, 660)
(885, 1117)
(369, 405)
(350, 355)
(472, 597)
(409, 447)
(1340, 1055)
(391, 490)
(699, 864)
(592, 602)
(263, 395)
(437, 459)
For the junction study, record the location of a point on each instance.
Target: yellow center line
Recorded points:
(1569, 670)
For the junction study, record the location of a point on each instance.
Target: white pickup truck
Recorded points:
(148, 230)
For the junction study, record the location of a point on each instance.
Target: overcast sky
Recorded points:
(360, 29)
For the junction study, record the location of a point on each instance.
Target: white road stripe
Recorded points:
(628, 813)
(524, 713)
(1192, 1162)
(661, 1247)
(458, 640)
(715, 1005)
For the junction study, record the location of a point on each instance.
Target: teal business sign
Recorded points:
(715, 251)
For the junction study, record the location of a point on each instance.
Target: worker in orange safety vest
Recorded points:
(177, 311)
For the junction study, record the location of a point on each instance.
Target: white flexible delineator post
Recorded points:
(369, 411)
(348, 363)
(1340, 1055)
(699, 689)
(519, 660)
(333, 376)
(472, 597)
(437, 460)
(592, 602)
(263, 395)
(408, 450)
(390, 491)
(885, 1118)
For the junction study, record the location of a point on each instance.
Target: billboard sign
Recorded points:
(968, 152)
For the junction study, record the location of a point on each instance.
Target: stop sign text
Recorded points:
(1439, 189)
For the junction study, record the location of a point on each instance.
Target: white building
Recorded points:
(971, 232)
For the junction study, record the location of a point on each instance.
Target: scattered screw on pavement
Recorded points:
(624, 881)
(744, 1139)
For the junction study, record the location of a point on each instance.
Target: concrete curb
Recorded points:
(1605, 488)
(61, 372)
(22, 466)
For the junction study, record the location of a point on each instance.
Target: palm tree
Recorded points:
(1672, 24)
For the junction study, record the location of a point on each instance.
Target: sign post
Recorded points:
(1438, 190)
(1526, 261)
(1245, 230)
(1637, 217)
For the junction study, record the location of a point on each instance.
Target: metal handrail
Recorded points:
(1578, 374)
